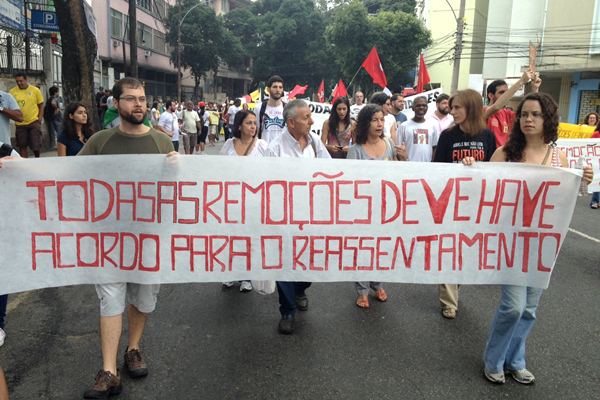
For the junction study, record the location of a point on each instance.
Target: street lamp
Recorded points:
(179, 51)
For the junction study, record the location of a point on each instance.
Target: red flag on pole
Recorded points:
(297, 90)
(372, 65)
(339, 91)
(423, 77)
(321, 92)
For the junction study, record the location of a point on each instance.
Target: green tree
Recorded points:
(375, 6)
(79, 53)
(205, 41)
(398, 36)
(289, 41)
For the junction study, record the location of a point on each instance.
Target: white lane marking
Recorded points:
(593, 239)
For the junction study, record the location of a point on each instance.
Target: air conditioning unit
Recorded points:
(147, 53)
(116, 43)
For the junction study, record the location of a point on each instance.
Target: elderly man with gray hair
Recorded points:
(296, 141)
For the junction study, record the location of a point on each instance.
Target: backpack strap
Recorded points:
(261, 115)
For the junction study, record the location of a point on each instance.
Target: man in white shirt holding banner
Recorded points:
(295, 141)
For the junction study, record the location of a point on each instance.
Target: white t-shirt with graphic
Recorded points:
(419, 138)
(272, 124)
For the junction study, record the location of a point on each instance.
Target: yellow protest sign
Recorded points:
(574, 131)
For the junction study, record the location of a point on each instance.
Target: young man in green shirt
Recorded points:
(131, 136)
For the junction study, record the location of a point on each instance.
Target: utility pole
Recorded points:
(132, 38)
(27, 42)
(460, 25)
(179, 49)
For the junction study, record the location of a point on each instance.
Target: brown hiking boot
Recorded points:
(106, 385)
(135, 364)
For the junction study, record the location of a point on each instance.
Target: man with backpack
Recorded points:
(269, 114)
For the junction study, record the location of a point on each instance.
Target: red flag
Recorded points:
(423, 77)
(372, 65)
(339, 91)
(321, 92)
(296, 91)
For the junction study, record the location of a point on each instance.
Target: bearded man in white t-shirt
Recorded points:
(269, 114)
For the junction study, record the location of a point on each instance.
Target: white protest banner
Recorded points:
(321, 111)
(149, 219)
(589, 151)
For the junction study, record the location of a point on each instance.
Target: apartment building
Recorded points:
(496, 46)
(439, 16)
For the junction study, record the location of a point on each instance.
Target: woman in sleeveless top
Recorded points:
(244, 143)
(371, 144)
(337, 129)
(531, 141)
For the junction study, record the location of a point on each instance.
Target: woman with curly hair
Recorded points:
(76, 130)
(337, 129)
(531, 141)
(591, 119)
(372, 144)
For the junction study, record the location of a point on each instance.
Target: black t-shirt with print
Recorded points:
(454, 145)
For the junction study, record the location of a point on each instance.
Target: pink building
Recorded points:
(155, 67)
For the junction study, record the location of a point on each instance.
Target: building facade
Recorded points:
(155, 69)
(440, 17)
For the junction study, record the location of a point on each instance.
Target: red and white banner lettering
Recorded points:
(149, 219)
(588, 150)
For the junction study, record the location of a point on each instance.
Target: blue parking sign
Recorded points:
(44, 20)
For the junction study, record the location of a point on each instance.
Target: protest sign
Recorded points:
(586, 149)
(150, 219)
(321, 111)
(574, 131)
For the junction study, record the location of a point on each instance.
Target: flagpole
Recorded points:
(352, 80)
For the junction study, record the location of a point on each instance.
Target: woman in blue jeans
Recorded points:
(531, 141)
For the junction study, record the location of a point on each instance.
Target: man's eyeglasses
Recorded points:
(132, 99)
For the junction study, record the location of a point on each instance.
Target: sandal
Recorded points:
(362, 301)
(594, 206)
(381, 295)
(449, 313)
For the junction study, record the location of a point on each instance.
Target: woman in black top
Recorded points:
(76, 130)
(467, 138)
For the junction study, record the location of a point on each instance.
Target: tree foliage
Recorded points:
(205, 41)
(305, 41)
(398, 36)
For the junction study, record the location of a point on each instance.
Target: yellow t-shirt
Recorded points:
(28, 100)
(213, 117)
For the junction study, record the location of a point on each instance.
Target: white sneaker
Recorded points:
(494, 377)
(245, 286)
(523, 376)
(228, 284)
(2, 336)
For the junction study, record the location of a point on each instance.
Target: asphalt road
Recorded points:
(204, 342)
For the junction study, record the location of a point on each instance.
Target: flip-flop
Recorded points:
(362, 301)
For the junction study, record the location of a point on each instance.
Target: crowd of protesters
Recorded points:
(460, 130)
